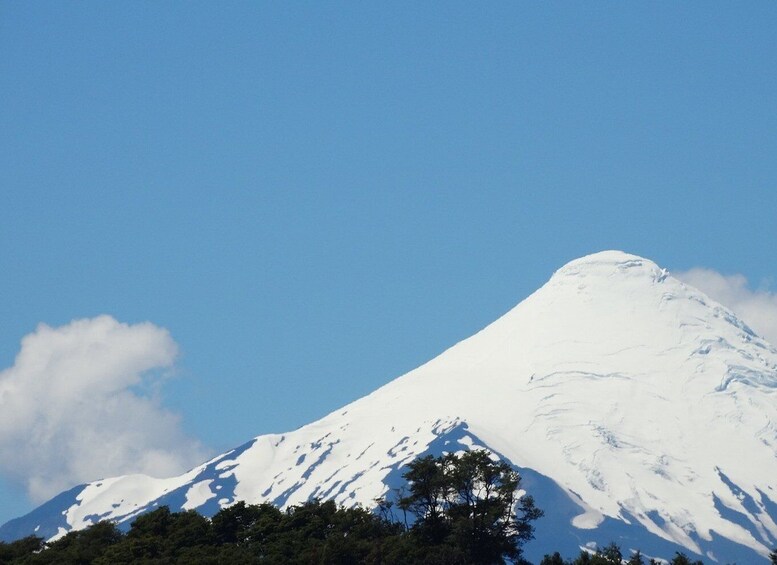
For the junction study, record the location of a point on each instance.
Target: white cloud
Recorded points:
(78, 405)
(757, 308)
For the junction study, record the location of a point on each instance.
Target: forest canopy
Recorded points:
(455, 509)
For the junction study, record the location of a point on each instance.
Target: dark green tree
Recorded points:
(584, 558)
(636, 559)
(245, 523)
(20, 548)
(469, 503)
(609, 555)
(683, 559)
(160, 536)
(428, 498)
(554, 559)
(80, 547)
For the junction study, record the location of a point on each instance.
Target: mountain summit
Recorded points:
(636, 408)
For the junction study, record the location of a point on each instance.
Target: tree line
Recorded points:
(455, 510)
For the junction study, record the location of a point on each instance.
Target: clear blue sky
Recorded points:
(314, 198)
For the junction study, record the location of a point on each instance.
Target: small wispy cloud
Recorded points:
(757, 308)
(78, 404)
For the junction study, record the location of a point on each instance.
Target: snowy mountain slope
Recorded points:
(637, 408)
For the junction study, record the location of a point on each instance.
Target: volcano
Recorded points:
(637, 410)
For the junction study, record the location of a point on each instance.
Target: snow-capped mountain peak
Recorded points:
(636, 408)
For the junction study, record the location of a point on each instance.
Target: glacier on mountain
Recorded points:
(636, 408)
